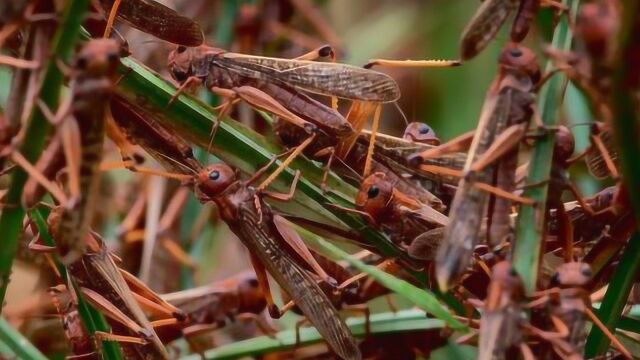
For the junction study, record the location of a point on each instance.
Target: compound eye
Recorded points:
(81, 63)
(513, 272)
(515, 52)
(181, 49)
(424, 129)
(373, 192)
(214, 175)
(112, 58)
(586, 272)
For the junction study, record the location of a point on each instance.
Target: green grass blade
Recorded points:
(530, 227)
(20, 345)
(615, 298)
(385, 323)
(423, 299)
(37, 127)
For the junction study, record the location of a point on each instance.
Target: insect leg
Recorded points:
(263, 281)
(457, 144)
(298, 150)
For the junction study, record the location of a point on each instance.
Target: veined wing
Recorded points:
(158, 20)
(484, 25)
(265, 242)
(331, 79)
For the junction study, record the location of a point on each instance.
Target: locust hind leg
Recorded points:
(263, 282)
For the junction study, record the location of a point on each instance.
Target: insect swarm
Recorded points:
(261, 217)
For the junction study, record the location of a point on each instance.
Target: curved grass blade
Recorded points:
(385, 323)
(21, 347)
(423, 299)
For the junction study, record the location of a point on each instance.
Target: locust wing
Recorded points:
(330, 79)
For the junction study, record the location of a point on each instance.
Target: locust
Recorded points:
(279, 86)
(400, 216)
(261, 231)
(109, 289)
(271, 242)
(81, 345)
(210, 307)
(501, 321)
(273, 84)
(91, 86)
(570, 306)
(490, 17)
(504, 117)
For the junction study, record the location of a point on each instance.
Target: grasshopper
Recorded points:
(252, 220)
(504, 117)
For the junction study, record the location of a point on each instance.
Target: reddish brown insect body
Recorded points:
(500, 325)
(403, 218)
(509, 103)
(251, 219)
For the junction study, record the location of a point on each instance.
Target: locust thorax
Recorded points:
(375, 197)
(564, 145)
(214, 180)
(421, 133)
(521, 61)
(572, 274)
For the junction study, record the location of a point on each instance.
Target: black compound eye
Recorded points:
(253, 283)
(180, 76)
(81, 63)
(586, 272)
(513, 272)
(373, 192)
(515, 52)
(112, 58)
(214, 175)
(424, 129)
(181, 49)
(325, 51)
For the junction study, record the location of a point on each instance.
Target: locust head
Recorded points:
(375, 196)
(214, 180)
(99, 57)
(520, 60)
(179, 64)
(421, 133)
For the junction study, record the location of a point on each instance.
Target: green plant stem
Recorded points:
(381, 324)
(626, 126)
(37, 127)
(530, 227)
(91, 318)
(20, 346)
